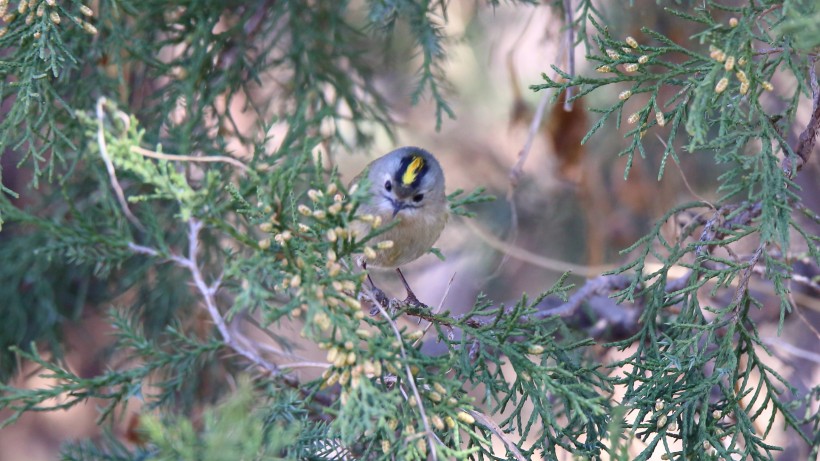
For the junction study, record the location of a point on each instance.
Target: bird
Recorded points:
(406, 186)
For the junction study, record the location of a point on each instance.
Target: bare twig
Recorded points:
(112, 173)
(482, 419)
(570, 24)
(807, 139)
(532, 258)
(431, 439)
(744, 278)
(793, 350)
(599, 286)
(208, 294)
(190, 158)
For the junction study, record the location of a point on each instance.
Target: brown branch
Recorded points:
(808, 138)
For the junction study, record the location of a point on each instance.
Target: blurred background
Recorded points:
(571, 208)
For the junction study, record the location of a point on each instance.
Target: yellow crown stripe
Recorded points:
(412, 170)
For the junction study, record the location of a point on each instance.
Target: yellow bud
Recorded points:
(377, 222)
(733, 22)
(331, 189)
(604, 69)
(303, 228)
(334, 209)
(89, 28)
(535, 349)
(314, 195)
(29, 19)
(421, 446)
(437, 422)
(643, 59)
(624, 95)
(86, 11)
(439, 388)
(22, 7)
(37, 35)
(320, 214)
(351, 358)
(452, 401)
(767, 86)
(364, 334)
(465, 417)
(631, 67)
(266, 227)
(385, 244)
(673, 426)
(721, 85)
(349, 285)
(525, 376)
(303, 209)
(451, 423)
(633, 118)
(7, 18)
(3, 31)
(334, 268)
(264, 244)
(4, 5)
(660, 118)
(416, 335)
(332, 379)
(742, 76)
(385, 446)
(331, 235)
(741, 61)
(730, 63)
(412, 401)
(332, 354)
(434, 396)
(665, 456)
(358, 315)
(296, 281)
(41, 10)
(716, 414)
(296, 312)
(744, 87)
(344, 378)
(658, 405)
(612, 54)
(718, 55)
(369, 253)
(631, 42)
(662, 421)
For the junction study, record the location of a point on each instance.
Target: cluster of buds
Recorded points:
(33, 9)
(628, 67)
(347, 368)
(730, 63)
(661, 419)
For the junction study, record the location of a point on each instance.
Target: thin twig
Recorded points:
(570, 24)
(437, 309)
(482, 419)
(805, 144)
(793, 350)
(532, 258)
(208, 293)
(410, 379)
(190, 158)
(112, 173)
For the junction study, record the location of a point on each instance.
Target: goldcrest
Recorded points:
(406, 185)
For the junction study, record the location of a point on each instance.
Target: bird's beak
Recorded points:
(396, 207)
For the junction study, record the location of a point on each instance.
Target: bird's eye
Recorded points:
(418, 198)
(388, 186)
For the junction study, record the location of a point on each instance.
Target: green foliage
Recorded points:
(152, 207)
